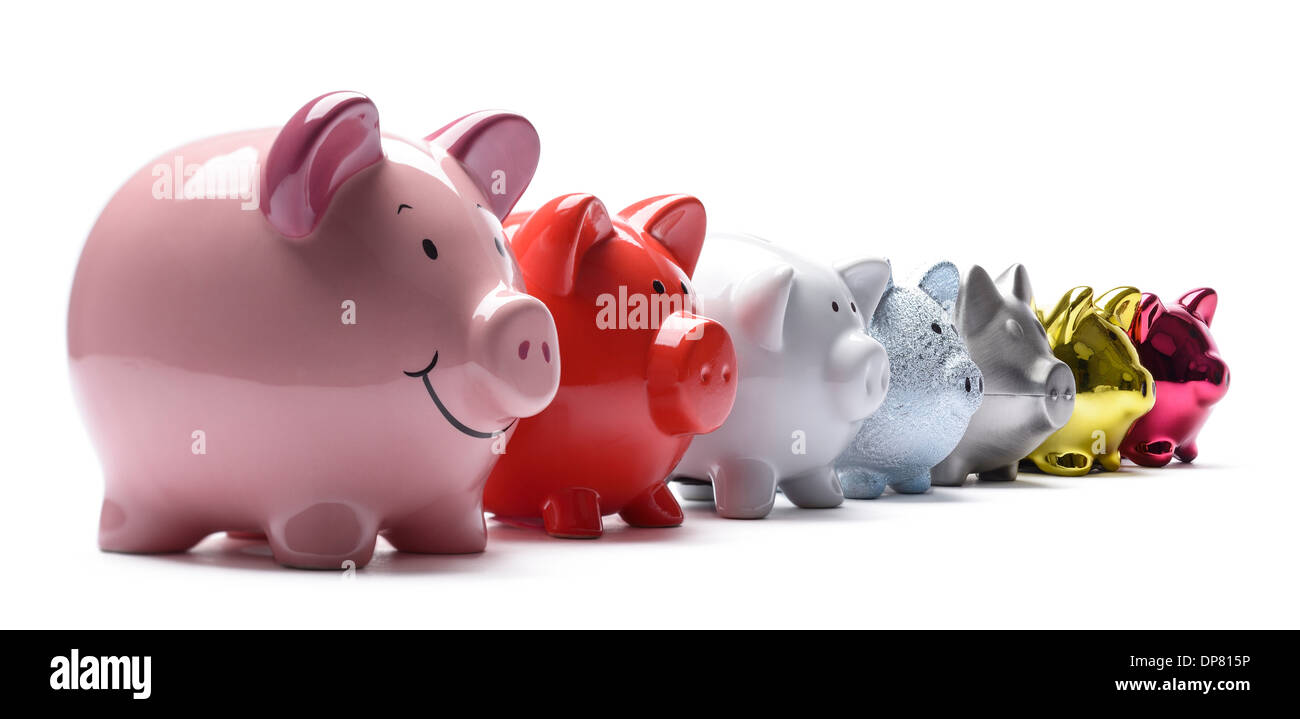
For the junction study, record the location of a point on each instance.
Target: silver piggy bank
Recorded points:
(1028, 392)
(934, 389)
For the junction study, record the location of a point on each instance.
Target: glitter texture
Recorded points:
(934, 389)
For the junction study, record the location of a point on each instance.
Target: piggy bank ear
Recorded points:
(866, 280)
(761, 300)
(323, 145)
(498, 150)
(942, 282)
(1120, 306)
(1149, 309)
(551, 242)
(676, 221)
(1202, 303)
(1015, 282)
(1064, 319)
(978, 301)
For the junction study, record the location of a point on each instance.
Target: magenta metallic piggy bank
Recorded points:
(1175, 345)
(331, 352)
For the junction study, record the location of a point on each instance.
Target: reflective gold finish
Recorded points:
(1112, 388)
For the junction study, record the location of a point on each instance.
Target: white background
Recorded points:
(1104, 143)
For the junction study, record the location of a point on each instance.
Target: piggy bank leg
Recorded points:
(915, 484)
(1186, 452)
(694, 490)
(1155, 453)
(818, 489)
(443, 527)
(326, 535)
(1110, 461)
(1064, 464)
(138, 527)
(999, 474)
(744, 488)
(657, 507)
(860, 482)
(573, 513)
(949, 473)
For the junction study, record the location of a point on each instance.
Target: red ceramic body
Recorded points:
(1175, 345)
(226, 387)
(633, 391)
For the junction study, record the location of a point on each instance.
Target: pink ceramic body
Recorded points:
(201, 316)
(1175, 344)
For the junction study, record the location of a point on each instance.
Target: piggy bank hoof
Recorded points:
(1063, 464)
(999, 474)
(326, 535)
(573, 513)
(1151, 454)
(916, 485)
(860, 483)
(127, 527)
(655, 508)
(744, 489)
(816, 490)
(1186, 452)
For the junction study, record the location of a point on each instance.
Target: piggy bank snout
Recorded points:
(861, 365)
(1212, 373)
(692, 375)
(1058, 394)
(967, 377)
(520, 350)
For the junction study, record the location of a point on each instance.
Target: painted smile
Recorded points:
(446, 413)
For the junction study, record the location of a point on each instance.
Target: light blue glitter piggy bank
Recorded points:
(934, 389)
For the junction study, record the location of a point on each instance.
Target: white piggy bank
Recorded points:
(809, 374)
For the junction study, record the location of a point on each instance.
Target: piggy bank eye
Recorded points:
(684, 290)
(430, 249)
(835, 306)
(501, 248)
(1015, 329)
(853, 307)
(934, 326)
(658, 287)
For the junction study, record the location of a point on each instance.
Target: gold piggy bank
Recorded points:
(1112, 388)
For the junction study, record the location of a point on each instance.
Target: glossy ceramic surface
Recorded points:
(1176, 346)
(934, 389)
(1112, 389)
(809, 374)
(1028, 392)
(643, 372)
(335, 361)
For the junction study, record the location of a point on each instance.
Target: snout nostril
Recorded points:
(968, 384)
(523, 350)
(726, 373)
(546, 352)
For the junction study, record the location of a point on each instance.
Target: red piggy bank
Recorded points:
(641, 374)
(1175, 345)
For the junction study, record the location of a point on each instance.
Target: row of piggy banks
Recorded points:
(370, 341)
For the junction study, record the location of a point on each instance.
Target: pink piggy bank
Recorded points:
(1175, 345)
(335, 360)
